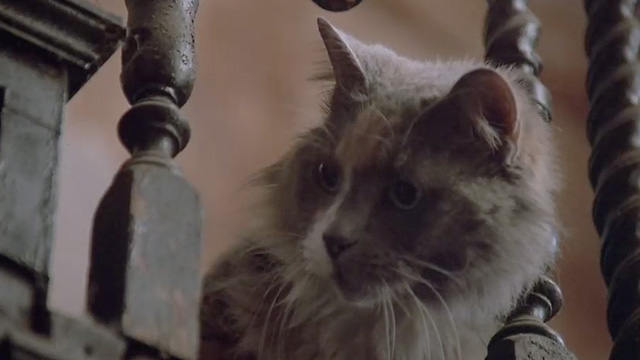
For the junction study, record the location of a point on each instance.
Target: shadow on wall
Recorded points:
(252, 96)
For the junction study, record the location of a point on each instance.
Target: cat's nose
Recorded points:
(336, 244)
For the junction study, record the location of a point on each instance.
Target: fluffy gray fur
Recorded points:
(335, 266)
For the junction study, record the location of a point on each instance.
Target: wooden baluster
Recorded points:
(613, 87)
(145, 257)
(525, 335)
(337, 5)
(511, 36)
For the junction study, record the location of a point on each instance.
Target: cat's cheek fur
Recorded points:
(314, 252)
(316, 259)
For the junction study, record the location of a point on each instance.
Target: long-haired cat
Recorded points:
(404, 227)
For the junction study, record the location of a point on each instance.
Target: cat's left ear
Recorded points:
(490, 104)
(347, 70)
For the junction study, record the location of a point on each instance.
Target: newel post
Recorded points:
(145, 258)
(49, 49)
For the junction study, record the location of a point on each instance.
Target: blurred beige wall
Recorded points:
(252, 96)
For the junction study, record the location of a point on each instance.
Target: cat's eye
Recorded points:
(404, 195)
(328, 176)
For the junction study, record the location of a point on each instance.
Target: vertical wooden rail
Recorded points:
(613, 125)
(49, 49)
(39, 72)
(511, 36)
(144, 274)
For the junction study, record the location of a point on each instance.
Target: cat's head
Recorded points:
(423, 177)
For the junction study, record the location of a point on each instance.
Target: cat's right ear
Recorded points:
(347, 70)
(488, 103)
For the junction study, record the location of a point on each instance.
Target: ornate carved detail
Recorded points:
(511, 36)
(158, 73)
(144, 276)
(525, 335)
(613, 86)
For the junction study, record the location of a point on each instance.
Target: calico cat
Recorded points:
(404, 227)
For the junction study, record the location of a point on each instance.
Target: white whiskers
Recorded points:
(432, 267)
(421, 308)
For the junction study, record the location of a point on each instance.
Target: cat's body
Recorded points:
(403, 228)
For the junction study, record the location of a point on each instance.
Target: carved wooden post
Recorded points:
(613, 86)
(48, 50)
(144, 275)
(525, 334)
(337, 5)
(511, 36)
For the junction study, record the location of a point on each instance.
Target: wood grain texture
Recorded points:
(612, 44)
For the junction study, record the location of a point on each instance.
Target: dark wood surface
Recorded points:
(612, 127)
(337, 5)
(510, 37)
(49, 49)
(525, 336)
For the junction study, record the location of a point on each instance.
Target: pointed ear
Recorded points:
(347, 70)
(489, 101)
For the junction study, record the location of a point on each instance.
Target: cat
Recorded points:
(404, 227)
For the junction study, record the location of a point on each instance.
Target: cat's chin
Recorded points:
(352, 295)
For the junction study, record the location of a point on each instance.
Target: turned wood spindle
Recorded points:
(525, 335)
(144, 276)
(337, 5)
(510, 37)
(613, 86)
